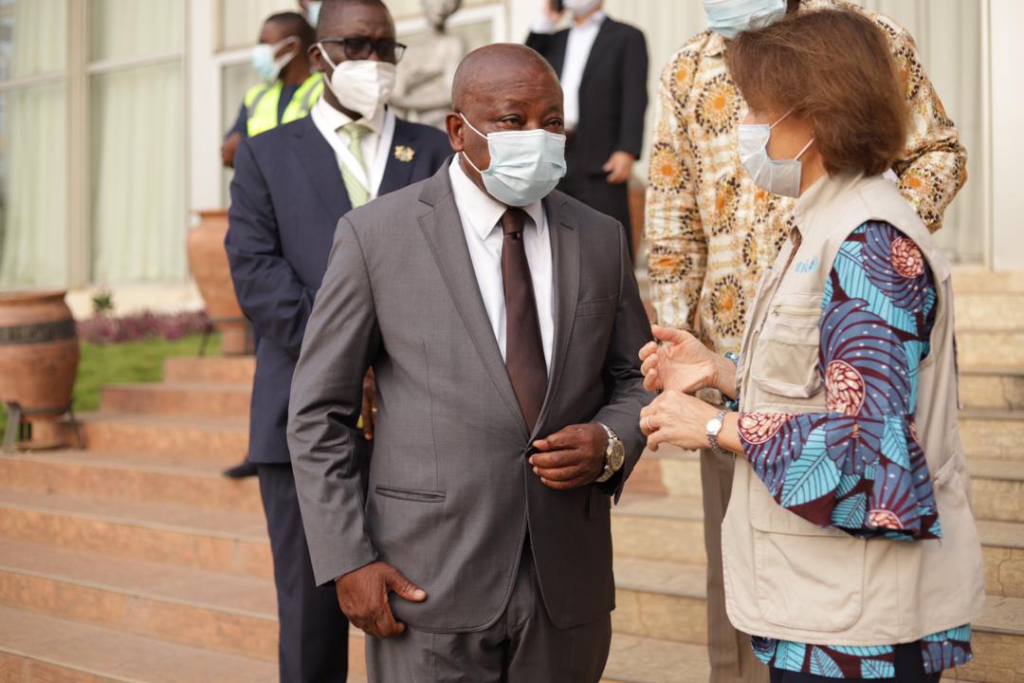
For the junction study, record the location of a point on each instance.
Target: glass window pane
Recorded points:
(122, 29)
(137, 137)
(241, 20)
(33, 187)
(33, 37)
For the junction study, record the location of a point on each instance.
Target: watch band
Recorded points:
(713, 436)
(609, 471)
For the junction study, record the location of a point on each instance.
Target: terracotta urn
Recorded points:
(38, 356)
(208, 262)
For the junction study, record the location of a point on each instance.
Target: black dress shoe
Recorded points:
(241, 471)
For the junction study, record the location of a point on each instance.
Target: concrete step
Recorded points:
(979, 281)
(648, 660)
(178, 399)
(186, 536)
(992, 389)
(989, 310)
(997, 489)
(39, 648)
(652, 527)
(668, 471)
(983, 346)
(222, 612)
(130, 476)
(993, 434)
(1003, 547)
(212, 370)
(660, 599)
(224, 441)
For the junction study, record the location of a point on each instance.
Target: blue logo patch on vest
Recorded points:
(807, 266)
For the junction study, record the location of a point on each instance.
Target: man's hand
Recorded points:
(684, 364)
(228, 149)
(363, 597)
(618, 167)
(572, 457)
(369, 411)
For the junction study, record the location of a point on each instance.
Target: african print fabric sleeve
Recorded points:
(933, 166)
(677, 250)
(860, 467)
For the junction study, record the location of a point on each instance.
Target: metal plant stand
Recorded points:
(18, 426)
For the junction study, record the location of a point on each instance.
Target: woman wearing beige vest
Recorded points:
(849, 547)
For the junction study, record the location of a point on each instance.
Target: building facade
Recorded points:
(112, 113)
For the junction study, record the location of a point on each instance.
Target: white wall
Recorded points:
(1006, 118)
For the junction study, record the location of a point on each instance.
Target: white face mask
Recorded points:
(264, 62)
(364, 85)
(526, 165)
(781, 177)
(729, 17)
(581, 6)
(313, 12)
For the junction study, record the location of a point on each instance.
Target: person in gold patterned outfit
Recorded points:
(711, 232)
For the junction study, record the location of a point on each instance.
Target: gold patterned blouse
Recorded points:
(710, 231)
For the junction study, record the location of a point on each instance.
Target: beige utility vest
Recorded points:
(787, 578)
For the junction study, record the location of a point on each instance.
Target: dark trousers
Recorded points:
(909, 669)
(592, 189)
(313, 645)
(523, 646)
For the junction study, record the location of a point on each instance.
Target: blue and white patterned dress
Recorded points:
(860, 467)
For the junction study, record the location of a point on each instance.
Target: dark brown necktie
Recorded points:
(524, 350)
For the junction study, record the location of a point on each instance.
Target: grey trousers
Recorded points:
(523, 646)
(732, 658)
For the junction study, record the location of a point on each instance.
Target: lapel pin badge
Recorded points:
(405, 154)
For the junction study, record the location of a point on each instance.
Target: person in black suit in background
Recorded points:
(602, 64)
(292, 184)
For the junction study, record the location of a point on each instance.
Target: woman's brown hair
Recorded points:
(834, 69)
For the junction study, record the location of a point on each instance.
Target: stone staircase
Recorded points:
(135, 561)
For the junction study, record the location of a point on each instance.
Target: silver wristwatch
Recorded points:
(614, 455)
(714, 429)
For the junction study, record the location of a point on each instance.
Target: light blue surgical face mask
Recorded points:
(313, 12)
(526, 165)
(263, 59)
(729, 17)
(778, 176)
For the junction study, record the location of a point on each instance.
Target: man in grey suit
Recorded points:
(503, 323)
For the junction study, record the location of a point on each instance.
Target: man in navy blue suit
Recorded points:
(292, 184)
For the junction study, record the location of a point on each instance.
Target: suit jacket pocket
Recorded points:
(411, 495)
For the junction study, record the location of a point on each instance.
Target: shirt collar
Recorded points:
(335, 119)
(481, 209)
(714, 45)
(593, 21)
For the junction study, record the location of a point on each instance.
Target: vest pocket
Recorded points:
(785, 360)
(810, 583)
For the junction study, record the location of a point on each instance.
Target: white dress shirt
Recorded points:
(374, 144)
(577, 53)
(480, 215)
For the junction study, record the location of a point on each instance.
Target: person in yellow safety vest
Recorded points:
(289, 88)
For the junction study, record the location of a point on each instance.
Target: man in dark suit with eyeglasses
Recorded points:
(291, 186)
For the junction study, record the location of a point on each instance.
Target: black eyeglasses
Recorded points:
(361, 48)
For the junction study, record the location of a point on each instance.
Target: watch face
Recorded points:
(715, 426)
(617, 456)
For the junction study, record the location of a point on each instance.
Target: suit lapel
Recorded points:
(557, 56)
(443, 230)
(321, 165)
(398, 173)
(601, 44)
(565, 257)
